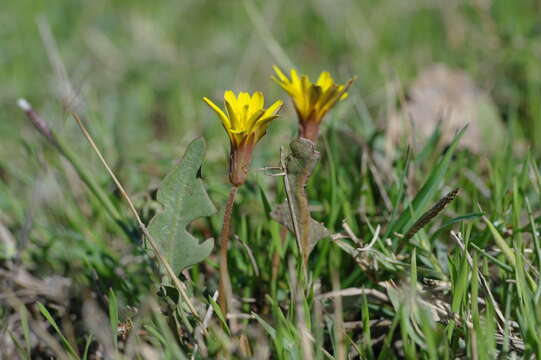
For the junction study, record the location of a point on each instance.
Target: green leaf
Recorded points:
(500, 241)
(47, 315)
(265, 201)
(269, 329)
(89, 339)
(184, 199)
(219, 313)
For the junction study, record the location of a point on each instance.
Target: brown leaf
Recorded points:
(295, 214)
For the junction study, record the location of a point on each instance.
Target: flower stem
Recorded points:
(226, 292)
(309, 130)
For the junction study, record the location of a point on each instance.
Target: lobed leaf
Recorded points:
(184, 199)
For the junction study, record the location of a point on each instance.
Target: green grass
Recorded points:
(75, 282)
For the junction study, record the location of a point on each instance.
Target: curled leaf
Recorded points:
(295, 214)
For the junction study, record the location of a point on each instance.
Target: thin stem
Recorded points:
(309, 130)
(226, 292)
(304, 214)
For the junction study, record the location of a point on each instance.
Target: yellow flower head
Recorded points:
(312, 100)
(246, 121)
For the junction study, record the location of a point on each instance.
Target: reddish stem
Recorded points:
(309, 130)
(226, 292)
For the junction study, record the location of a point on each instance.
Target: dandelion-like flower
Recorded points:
(312, 101)
(246, 121)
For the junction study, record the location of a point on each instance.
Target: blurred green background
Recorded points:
(137, 71)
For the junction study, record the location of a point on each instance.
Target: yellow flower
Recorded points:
(312, 101)
(246, 121)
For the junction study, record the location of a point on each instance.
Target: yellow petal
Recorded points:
(273, 109)
(256, 103)
(301, 98)
(263, 124)
(305, 84)
(325, 80)
(231, 98)
(254, 120)
(243, 100)
(225, 121)
(280, 74)
(233, 114)
(294, 77)
(286, 86)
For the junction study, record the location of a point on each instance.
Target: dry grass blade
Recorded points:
(354, 292)
(431, 214)
(251, 256)
(178, 284)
